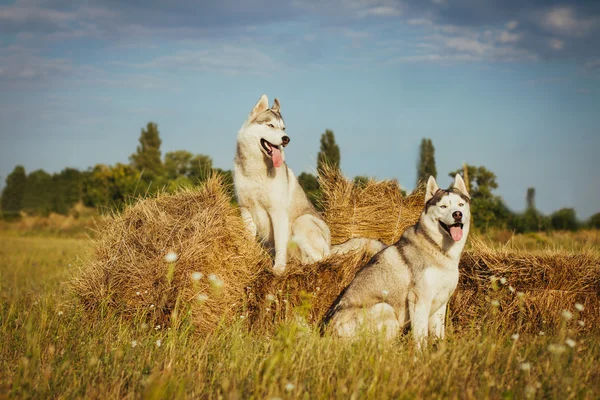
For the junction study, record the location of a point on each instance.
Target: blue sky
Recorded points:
(511, 85)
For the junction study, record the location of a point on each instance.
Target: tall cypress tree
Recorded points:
(330, 151)
(147, 157)
(12, 195)
(426, 165)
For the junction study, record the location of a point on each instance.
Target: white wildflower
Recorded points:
(493, 278)
(60, 313)
(570, 342)
(202, 297)
(503, 280)
(579, 307)
(158, 343)
(581, 323)
(137, 293)
(290, 386)
(512, 289)
(556, 348)
(567, 315)
(171, 257)
(134, 343)
(495, 303)
(242, 316)
(525, 366)
(215, 281)
(520, 294)
(515, 336)
(196, 276)
(157, 327)
(151, 305)
(542, 333)
(270, 297)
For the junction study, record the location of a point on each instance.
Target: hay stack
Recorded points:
(129, 272)
(544, 283)
(375, 210)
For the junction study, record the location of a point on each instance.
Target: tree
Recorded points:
(426, 165)
(330, 151)
(147, 157)
(12, 195)
(177, 163)
(38, 193)
(310, 185)
(66, 190)
(594, 221)
(200, 168)
(564, 220)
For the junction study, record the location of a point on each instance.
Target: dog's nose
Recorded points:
(457, 215)
(285, 140)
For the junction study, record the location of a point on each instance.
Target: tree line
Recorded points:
(110, 187)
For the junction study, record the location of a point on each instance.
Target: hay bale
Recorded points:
(130, 275)
(307, 290)
(544, 283)
(376, 210)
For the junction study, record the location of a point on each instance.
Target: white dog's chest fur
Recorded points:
(439, 285)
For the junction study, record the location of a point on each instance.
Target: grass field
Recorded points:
(49, 348)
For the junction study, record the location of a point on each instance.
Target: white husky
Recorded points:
(412, 280)
(272, 203)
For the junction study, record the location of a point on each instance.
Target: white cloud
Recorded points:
(509, 37)
(510, 25)
(467, 45)
(381, 11)
(226, 58)
(556, 44)
(564, 21)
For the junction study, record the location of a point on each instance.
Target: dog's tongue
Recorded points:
(276, 156)
(456, 232)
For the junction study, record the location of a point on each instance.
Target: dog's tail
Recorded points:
(371, 245)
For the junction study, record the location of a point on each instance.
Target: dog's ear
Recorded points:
(260, 107)
(432, 187)
(276, 106)
(459, 184)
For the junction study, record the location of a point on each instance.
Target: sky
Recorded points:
(510, 85)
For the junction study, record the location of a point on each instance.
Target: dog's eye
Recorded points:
(461, 204)
(443, 206)
(271, 125)
(283, 129)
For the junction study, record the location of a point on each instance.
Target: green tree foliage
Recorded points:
(426, 165)
(361, 180)
(564, 220)
(177, 163)
(200, 168)
(531, 220)
(487, 209)
(330, 151)
(66, 190)
(109, 187)
(310, 185)
(12, 194)
(594, 221)
(147, 158)
(38, 195)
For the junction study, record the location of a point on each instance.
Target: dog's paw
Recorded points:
(279, 269)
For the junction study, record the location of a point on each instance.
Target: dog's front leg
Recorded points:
(249, 222)
(419, 308)
(281, 233)
(436, 322)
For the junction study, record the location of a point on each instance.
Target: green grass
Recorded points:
(49, 348)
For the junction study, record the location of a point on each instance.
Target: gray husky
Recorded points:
(411, 281)
(272, 203)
